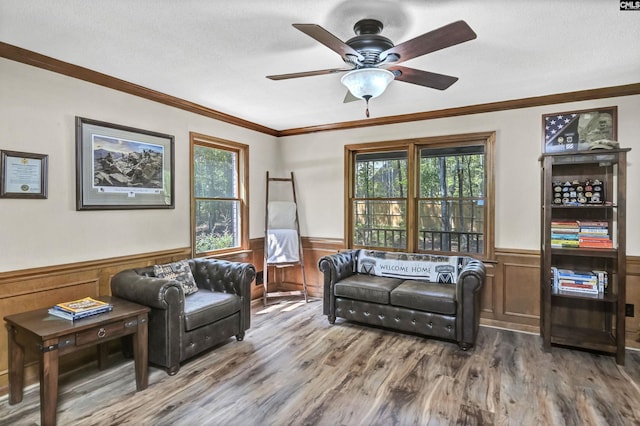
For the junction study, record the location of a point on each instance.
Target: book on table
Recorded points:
(80, 308)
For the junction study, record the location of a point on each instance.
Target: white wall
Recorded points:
(318, 161)
(37, 114)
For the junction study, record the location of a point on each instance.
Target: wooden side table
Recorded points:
(52, 337)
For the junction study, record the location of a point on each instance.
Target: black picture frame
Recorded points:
(23, 175)
(579, 130)
(121, 167)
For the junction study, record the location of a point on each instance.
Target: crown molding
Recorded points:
(28, 57)
(558, 98)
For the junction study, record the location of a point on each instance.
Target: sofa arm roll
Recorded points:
(338, 265)
(474, 268)
(149, 291)
(469, 285)
(335, 267)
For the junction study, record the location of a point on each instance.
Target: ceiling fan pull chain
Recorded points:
(366, 99)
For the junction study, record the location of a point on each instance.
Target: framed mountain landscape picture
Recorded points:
(120, 167)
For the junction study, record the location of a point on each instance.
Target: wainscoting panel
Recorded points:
(29, 289)
(521, 287)
(487, 303)
(515, 288)
(632, 324)
(510, 297)
(290, 278)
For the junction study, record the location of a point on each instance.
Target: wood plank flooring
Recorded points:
(294, 368)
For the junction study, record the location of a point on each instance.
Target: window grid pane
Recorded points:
(380, 223)
(217, 225)
(380, 205)
(384, 177)
(215, 173)
(451, 225)
(451, 211)
(216, 198)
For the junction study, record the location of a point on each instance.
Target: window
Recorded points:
(431, 194)
(380, 200)
(219, 180)
(452, 199)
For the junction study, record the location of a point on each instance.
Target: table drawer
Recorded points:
(103, 332)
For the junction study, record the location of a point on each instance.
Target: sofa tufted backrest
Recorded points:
(220, 275)
(428, 267)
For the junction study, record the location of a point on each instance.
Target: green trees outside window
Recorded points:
(217, 199)
(431, 194)
(380, 202)
(451, 204)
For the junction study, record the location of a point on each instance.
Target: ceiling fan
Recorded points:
(372, 59)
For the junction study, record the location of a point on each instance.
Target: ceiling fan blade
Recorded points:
(307, 73)
(350, 98)
(332, 42)
(423, 78)
(449, 35)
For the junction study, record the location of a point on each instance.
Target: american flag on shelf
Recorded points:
(561, 132)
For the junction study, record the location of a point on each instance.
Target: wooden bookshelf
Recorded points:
(584, 321)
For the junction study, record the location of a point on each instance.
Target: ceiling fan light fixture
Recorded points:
(367, 83)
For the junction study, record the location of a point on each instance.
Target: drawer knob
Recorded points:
(101, 333)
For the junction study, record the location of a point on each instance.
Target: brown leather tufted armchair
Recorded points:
(181, 327)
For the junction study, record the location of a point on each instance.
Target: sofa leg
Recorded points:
(173, 370)
(240, 336)
(465, 346)
(332, 319)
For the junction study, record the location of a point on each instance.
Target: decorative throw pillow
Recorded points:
(179, 271)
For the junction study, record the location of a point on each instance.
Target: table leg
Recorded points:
(103, 355)
(49, 382)
(140, 354)
(16, 366)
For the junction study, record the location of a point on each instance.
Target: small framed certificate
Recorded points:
(23, 175)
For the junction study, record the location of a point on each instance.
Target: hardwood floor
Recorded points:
(294, 368)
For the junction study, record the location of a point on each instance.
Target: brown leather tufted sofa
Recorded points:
(181, 327)
(444, 310)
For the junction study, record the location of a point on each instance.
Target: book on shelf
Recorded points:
(554, 278)
(80, 308)
(569, 285)
(592, 282)
(576, 275)
(571, 225)
(594, 223)
(590, 242)
(565, 243)
(593, 231)
(564, 236)
(603, 280)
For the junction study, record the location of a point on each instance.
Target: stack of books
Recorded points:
(564, 233)
(591, 282)
(594, 234)
(81, 308)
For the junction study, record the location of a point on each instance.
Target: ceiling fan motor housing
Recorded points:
(368, 41)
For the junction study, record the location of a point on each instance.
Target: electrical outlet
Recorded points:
(629, 310)
(259, 278)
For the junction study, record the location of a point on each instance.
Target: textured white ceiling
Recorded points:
(217, 53)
